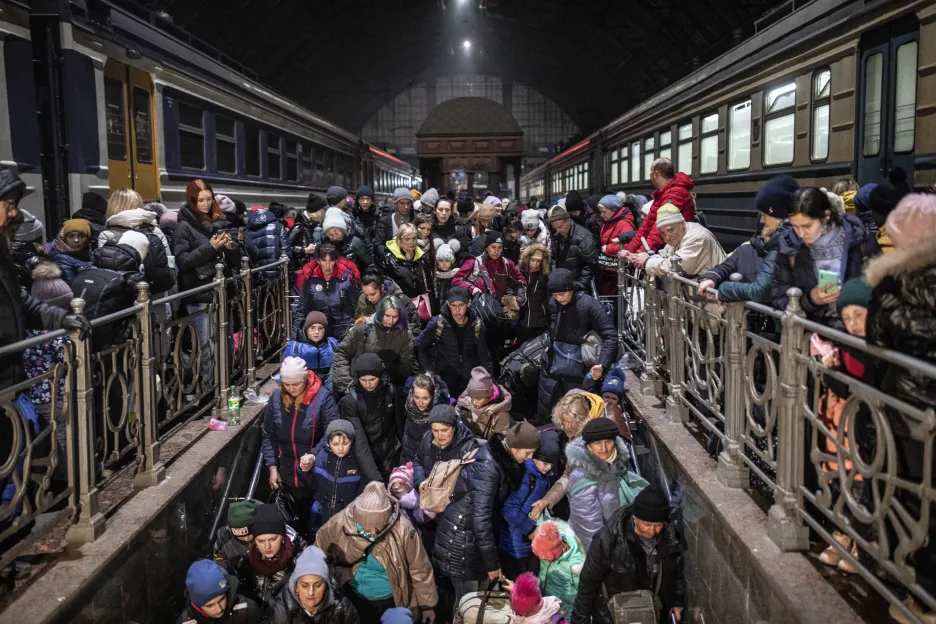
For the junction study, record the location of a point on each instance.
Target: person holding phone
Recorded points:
(823, 249)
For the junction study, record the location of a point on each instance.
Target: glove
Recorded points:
(79, 322)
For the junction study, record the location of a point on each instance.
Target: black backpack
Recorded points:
(160, 276)
(105, 292)
(520, 370)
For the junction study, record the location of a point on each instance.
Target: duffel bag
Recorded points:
(520, 370)
(490, 606)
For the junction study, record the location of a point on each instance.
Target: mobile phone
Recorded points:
(827, 278)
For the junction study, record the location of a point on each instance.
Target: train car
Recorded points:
(837, 88)
(386, 173)
(148, 109)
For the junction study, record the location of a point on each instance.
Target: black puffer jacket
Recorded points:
(534, 311)
(357, 251)
(380, 416)
(417, 421)
(384, 230)
(617, 560)
(338, 610)
(585, 314)
(466, 541)
(263, 588)
(429, 454)
(439, 351)
(410, 275)
(578, 252)
(191, 246)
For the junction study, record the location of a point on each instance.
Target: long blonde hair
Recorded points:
(123, 199)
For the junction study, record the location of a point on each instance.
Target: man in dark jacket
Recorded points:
(453, 343)
(303, 237)
(389, 224)
(572, 247)
(638, 548)
(571, 316)
(365, 211)
(94, 210)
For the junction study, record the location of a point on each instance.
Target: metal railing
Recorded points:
(109, 399)
(838, 454)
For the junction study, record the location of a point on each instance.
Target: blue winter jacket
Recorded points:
(514, 537)
(318, 357)
(268, 236)
(69, 265)
(336, 482)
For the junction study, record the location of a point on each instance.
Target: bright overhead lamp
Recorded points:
(466, 44)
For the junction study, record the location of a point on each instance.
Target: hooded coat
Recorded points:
(439, 349)
(268, 236)
(577, 252)
(597, 489)
(336, 481)
(393, 345)
(503, 272)
(617, 561)
(158, 265)
(365, 308)
(535, 311)
(334, 297)
(287, 609)
(678, 191)
(417, 421)
(379, 415)
(560, 578)
(191, 246)
(795, 265)
(397, 548)
(429, 453)
(492, 418)
(465, 545)
(240, 610)
(288, 435)
(515, 536)
(611, 236)
(410, 275)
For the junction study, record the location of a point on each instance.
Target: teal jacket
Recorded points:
(758, 290)
(560, 578)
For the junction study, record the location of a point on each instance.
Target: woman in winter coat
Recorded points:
(448, 438)
(407, 265)
(348, 245)
(446, 231)
(328, 284)
(371, 405)
(293, 422)
(71, 249)
(600, 482)
(483, 221)
(424, 392)
(311, 596)
(389, 224)
(535, 267)
(821, 239)
(561, 559)
(212, 597)
(271, 556)
(387, 335)
(379, 558)
(616, 230)
(485, 405)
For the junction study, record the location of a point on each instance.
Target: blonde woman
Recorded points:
(408, 265)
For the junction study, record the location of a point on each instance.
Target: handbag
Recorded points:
(511, 307)
(422, 306)
(489, 606)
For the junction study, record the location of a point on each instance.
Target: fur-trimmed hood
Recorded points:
(901, 261)
(531, 249)
(594, 468)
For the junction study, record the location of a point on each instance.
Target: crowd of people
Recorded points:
(410, 468)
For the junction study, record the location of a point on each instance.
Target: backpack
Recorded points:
(104, 292)
(435, 493)
(520, 370)
(441, 325)
(160, 276)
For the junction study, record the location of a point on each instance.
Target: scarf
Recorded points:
(416, 415)
(63, 247)
(269, 567)
(549, 607)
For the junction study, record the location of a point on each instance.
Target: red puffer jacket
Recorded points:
(676, 192)
(620, 223)
(343, 266)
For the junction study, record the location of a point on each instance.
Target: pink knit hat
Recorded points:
(547, 542)
(525, 595)
(913, 220)
(404, 474)
(293, 369)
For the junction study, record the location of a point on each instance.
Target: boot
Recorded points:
(830, 556)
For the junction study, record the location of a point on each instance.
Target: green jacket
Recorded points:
(560, 578)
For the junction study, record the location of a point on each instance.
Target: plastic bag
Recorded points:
(252, 398)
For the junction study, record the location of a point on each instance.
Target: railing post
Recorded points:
(153, 470)
(222, 366)
(784, 525)
(732, 471)
(676, 409)
(90, 523)
(251, 378)
(287, 308)
(650, 378)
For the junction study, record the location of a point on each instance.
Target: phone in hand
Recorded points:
(827, 279)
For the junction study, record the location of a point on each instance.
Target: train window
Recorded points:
(874, 75)
(306, 173)
(274, 157)
(649, 144)
(708, 146)
(614, 165)
(320, 167)
(905, 95)
(684, 151)
(739, 136)
(115, 118)
(142, 126)
(625, 162)
(635, 161)
(252, 149)
(585, 180)
(666, 141)
(779, 125)
(191, 136)
(226, 144)
(822, 91)
(292, 161)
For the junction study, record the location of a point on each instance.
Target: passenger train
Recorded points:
(146, 109)
(836, 88)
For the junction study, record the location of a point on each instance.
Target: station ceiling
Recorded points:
(344, 59)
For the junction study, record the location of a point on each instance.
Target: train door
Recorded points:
(887, 84)
(131, 139)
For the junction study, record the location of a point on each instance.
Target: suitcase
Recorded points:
(491, 606)
(635, 607)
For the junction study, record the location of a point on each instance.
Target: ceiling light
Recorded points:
(466, 44)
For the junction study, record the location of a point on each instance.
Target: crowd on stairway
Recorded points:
(448, 431)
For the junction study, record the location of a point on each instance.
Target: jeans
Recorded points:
(462, 587)
(202, 323)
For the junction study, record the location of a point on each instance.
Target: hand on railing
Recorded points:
(79, 322)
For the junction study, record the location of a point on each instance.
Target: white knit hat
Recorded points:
(293, 369)
(136, 240)
(334, 218)
(444, 252)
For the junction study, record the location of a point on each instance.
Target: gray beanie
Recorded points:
(444, 414)
(401, 193)
(30, 230)
(429, 198)
(340, 426)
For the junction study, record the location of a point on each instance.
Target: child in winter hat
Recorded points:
(529, 605)
(49, 287)
(612, 390)
(336, 477)
(205, 581)
(401, 487)
(561, 560)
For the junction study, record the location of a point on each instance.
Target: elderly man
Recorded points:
(689, 244)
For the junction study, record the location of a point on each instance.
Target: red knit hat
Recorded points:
(525, 595)
(547, 543)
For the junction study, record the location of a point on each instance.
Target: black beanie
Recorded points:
(650, 505)
(885, 196)
(548, 450)
(465, 205)
(493, 237)
(574, 202)
(444, 414)
(560, 280)
(268, 521)
(592, 201)
(368, 365)
(598, 429)
(315, 203)
(775, 197)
